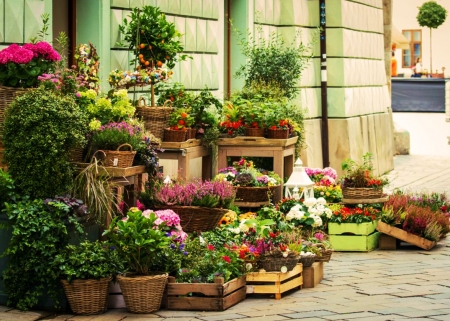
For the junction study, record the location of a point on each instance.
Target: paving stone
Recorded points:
(350, 316)
(310, 314)
(223, 316)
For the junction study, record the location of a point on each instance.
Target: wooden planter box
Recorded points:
(216, 296)
(405, 236)
(358, 243)
(312, 275)
(352, 228)
(115, 297)
(275, 282)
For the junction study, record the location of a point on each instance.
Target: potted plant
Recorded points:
(325, 183)
(139, 239)
(180, 121)
(359, 182)
(251, 184)
(85, 271)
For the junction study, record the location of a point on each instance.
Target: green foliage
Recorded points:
(7, 188)
(148, 32)
(431, 15)
(40, 128)
(38, 234)
(271, 62)
(115, 106)
(360, 175)
(138, 239)
(173, 94)
(88, 260)
(44, 30)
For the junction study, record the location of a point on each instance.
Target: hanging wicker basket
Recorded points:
(7, 96)
(254, 194)
(174, 135)
(196, 218)
(119, 158)
(142, 293)
(254, 132)
(156, 119)
(277, 133)
(361, 193)
(87, 296)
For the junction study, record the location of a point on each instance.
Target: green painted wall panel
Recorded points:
(120, 3)
(33, 22)
(14, 23)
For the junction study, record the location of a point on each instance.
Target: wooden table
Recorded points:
(183, 154)
(281, 150)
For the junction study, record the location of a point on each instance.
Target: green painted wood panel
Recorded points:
(14, 23)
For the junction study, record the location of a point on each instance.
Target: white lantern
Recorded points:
(299, 179)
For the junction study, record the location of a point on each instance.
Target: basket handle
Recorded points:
(140, 100)
(93, 156)
(168, 103)
(126, 145)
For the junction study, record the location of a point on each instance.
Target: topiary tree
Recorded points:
(40, 128)
(431, 15)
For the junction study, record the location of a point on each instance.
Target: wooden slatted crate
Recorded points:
(275, 282)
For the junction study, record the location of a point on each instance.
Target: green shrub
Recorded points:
(40, 128)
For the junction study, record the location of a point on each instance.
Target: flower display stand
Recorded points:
(312, 275)
(217, 296)
(281, 150)
(275, 282)
(405, 236)
(183, 153)
(353, 236)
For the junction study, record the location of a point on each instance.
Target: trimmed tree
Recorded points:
(431, 15)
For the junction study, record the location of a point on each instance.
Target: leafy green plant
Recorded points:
(39, 232)
(361, 174)
(40, 129)
(138, 239)
(88, 260)
(173, 94)
(7, 188)
(112, 135)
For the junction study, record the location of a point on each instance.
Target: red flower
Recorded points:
(241, 255)
(283, 247)
(443, 208)
(272, 235)
(210, 247)
(226, 258)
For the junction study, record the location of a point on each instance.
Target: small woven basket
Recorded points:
(361, 193)
(155, 118)
(76, 154)
(142, 293)
(254, 132)
(174, 135)
(191, 133)
(87, 296)
(196, 218)
(254, 194)
(324, 254)
(307, 260)
(277, 133)
(275, 261)
(119, 158)
(7, 96)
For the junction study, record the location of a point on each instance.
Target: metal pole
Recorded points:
(323, 73)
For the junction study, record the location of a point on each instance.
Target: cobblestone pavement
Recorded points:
(380, 285)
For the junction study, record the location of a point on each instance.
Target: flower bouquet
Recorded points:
(251, 184)
(325, 184)
(359, 181)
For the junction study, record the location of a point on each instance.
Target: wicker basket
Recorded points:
(324, 255)
(142, 293)
(274, 262)
(7, 96)
(195, 218)
(191, 133)
(278, 133)
(254, 194)
(174, 135)
(87, 296)
(307, 260)
(119, 158)
(76, 154)
(155, 118)
(254, 132)
(361, 193)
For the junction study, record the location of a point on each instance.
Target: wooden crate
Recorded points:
(358, 243)
(366, 228)
(217, 296)
(312, 275)
(405, 236)
(275, 282)
(387, 242)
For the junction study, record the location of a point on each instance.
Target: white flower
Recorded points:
(272, 180)
(299, 215)
(328, 212)
(230, 174)
(321, 201)
(202, 240)
(285, 254)
(243, 227)
(236, 230)
(309, 202)
(248, 266)
(313, 211)
(317, 221)
(290, 216)
(167, 180)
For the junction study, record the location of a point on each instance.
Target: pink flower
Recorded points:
(319, 236)
(22, 56)
(139, 205)
(226, 258)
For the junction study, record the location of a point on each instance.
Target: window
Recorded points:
(410, 55)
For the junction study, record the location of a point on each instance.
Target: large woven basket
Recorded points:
(254, 194)
(324, 255)
(196, 218)
(254, 132)
(277, 133)
(307, 260)
(361, 193)
(142, 293)
(119, 158)
(174, 135)
(155, 118)
(87, 296)
(274, 263)
(7, 96)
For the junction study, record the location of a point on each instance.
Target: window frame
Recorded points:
(412, 43)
